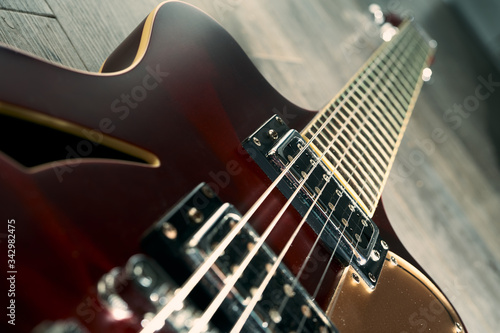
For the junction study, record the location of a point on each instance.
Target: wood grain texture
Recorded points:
(39, 35)
(442, 196)
(38, 7)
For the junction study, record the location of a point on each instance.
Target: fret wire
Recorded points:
(370, 103)
(384, 119)
(379, 163)
(385, 124)
(392, 55)
(347, 159)
(419, 43)
(410, 109)
(380, 129)
(377, 198)
(373, 191)
(358, 189)
(396, 85)
(379, 138)
(385, 89)
(393, 100)
(360, 176)
(390, 105)
(423, 45)
(367, 175)
(406, 54)
(413, 72)
(363, 168)
(336, 162)
(399, 85)
(396, 95)
(379, 65)
(374, 165)
(368, 139)
(384, 113)
(368, 168)
(354, 177)
(374, 147)
(375, 102)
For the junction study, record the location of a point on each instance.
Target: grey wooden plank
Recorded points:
(38, 7)
(286, 40)
(96, 28)
(38, 35)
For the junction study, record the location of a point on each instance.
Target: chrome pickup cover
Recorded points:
(187, 235)
(348, 229)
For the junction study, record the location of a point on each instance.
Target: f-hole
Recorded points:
(34, 143)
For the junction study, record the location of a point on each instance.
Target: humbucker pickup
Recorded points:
(348, 229)
(187, 235)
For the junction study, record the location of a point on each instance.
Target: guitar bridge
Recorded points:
(348, 230)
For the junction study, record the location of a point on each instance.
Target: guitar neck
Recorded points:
(360, 130)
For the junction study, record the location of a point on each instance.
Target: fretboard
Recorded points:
(361, 128)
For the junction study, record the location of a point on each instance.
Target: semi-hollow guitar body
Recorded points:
(90, 163)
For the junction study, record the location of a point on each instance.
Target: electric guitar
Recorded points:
(165, 193)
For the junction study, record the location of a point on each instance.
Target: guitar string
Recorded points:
(332, 255)
(200, 271)
(257, 295)
(213, 307)
(308, 256)
(263, 285)
(299, 274)
(230, 281)
(365, 170)
(280, 311)
(318, 287)
(361, 105)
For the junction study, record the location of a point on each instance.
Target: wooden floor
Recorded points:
(443, 197)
